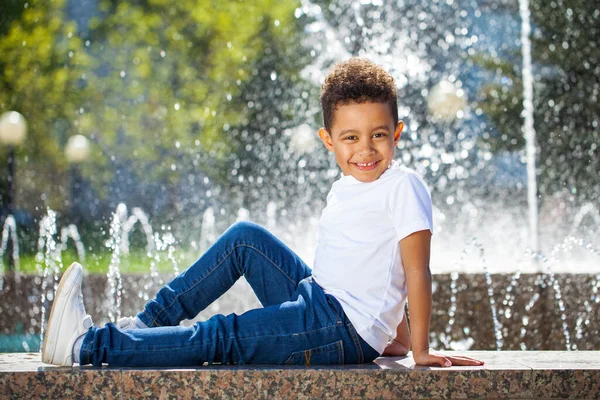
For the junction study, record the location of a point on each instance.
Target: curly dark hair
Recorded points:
(357, 80)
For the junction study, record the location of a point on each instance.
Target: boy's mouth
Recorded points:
(366, 166)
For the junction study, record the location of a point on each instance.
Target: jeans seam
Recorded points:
(338, 319)
(219, 263)
(354, 336)
(136, 351)
(90, 350)
(268, 259)
(87, 351)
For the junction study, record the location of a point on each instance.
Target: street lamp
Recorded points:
(13, 130)
(77, 151)
(303, 139)
(447, 101)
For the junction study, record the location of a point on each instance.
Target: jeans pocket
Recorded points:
(329, 354)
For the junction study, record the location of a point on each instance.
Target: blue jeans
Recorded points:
(298, 324)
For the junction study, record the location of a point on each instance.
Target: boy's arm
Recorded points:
(415, 250)
(401, 343)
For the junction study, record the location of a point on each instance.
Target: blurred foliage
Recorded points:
(267, 166)
(40, 70)
(566, 44)
(97, 262)
(154, 84)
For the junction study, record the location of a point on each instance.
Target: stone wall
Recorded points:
(505, 375)
(473, 327)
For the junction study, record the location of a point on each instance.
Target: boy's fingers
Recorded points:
(467, 358)
(465, 361)
(462, 358)
(446, 360)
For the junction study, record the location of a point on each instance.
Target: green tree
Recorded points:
(153, 83)
(41, 64)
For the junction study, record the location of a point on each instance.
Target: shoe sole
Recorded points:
(59, 299)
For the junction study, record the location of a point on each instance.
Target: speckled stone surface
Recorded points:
(509, 374)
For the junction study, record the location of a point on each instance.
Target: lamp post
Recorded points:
(13, 130)
(77, 151)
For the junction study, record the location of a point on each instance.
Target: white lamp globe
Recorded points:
(303, 139)
(13, 128)
(77, 149)
(446, 100)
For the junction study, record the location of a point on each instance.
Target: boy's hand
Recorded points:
(395, 349)
(431, 357)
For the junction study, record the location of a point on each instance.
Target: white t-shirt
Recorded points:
(357, 259)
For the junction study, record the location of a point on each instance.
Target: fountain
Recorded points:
(443, 125)
(9, 231)
(505, 295)
(515, 253)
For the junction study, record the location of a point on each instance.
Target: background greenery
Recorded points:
(157, 86)
(137, 262)
(192, 104)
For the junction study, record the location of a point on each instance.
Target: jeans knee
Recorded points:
(244, 230)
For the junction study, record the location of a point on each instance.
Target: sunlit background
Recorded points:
(133, 133)
(203, 113)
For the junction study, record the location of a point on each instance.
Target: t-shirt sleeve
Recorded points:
(409, 205)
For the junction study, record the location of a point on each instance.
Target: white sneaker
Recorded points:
(68, 320)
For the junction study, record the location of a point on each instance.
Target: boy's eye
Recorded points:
(380, 134)
(350, 138)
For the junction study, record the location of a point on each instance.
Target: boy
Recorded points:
(372, 251)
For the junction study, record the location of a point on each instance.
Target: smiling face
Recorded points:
(363, 138)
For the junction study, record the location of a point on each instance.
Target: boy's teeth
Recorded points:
(365, 164)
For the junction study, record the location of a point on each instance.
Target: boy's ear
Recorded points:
(398, 132)
(326, 138)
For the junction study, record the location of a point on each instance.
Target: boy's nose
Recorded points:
(366, 147)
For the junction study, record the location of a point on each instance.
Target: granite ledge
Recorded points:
(507, 374)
